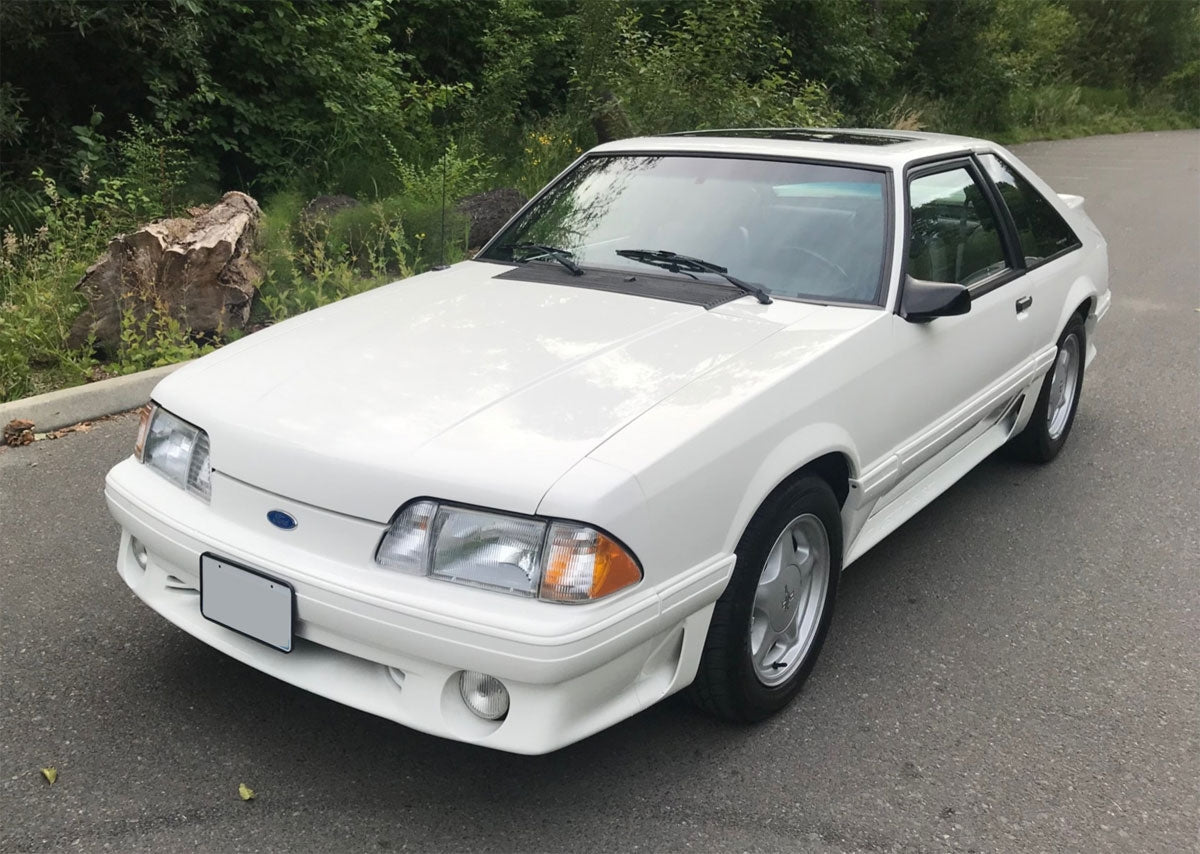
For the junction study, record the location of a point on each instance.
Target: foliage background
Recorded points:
(112, 114)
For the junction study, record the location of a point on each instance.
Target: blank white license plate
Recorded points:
(246, 601)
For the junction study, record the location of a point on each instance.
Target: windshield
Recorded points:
(801, 230)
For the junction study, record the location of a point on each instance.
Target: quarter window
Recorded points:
(954, 234)
(1040, 229)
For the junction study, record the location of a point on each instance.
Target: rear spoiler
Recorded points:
(1071, 201)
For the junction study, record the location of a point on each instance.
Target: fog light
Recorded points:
(484, 695)
(139, 552)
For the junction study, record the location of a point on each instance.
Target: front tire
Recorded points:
(1054, 413)
(770, 623)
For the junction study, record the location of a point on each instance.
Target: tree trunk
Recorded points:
(197, 271)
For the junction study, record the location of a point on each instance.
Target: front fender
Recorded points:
(785, 459)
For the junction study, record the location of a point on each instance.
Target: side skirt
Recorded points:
(912, 493)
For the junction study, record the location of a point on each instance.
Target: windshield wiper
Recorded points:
(687, 264)
(562, 256)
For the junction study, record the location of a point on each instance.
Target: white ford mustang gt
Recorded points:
(629, 448)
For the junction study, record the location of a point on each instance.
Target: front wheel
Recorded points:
(770, 623)
(1054, 412)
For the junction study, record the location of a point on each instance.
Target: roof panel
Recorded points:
(836, 145)
(837, 136)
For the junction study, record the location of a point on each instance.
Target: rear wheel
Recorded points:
(770, 623)
(1058, 401)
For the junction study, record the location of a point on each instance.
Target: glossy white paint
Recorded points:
(662, 423)
(447, 384)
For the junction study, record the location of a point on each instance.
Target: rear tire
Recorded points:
(1054, 413)
(769, 625)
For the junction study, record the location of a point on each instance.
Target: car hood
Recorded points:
(449, 384)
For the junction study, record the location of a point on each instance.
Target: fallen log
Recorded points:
(198, 271)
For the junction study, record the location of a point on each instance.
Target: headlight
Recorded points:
(557, 561)
(175, 449)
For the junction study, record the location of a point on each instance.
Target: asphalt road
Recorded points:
(1016, 669)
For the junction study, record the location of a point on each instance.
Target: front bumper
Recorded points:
(394, 645)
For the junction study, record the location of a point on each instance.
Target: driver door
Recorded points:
(952, 376)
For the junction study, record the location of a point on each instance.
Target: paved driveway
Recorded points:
(1014, 670)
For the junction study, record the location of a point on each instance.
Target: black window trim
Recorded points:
(1008, 217)
(889, 203)
(1008, 242)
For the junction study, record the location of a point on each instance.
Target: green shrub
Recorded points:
(454, 175)
(549, 148)
(312, 262)
(62, 234)
(154, 339)
(1052, 112)
(38, 303)
(527, 48)
(1028, 40)
(1183, 87)
(719, 65)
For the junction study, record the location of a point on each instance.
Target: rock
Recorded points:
(198, 271)
(488, 212)
(322, 208)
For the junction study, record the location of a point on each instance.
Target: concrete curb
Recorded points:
(68, 406)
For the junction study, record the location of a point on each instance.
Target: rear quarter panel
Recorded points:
(1085, 275)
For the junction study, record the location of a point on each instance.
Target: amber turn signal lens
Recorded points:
(615, 569)
(139, 447)
(583, 564)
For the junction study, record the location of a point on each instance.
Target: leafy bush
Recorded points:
(453, 176)
(40, 266)
(857, 48)
(1183, 87)
(953, 65)
(526, 50)
(38, 303)
(549, 148)
(275, 91)
(154, 339)
(312, 262)
(1132, 44)
(718, 65)
(1029, 40)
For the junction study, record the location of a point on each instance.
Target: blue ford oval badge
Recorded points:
(279, 519)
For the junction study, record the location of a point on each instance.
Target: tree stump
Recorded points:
(197, 271)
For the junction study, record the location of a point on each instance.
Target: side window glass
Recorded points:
(1041, 230)
(955, 235)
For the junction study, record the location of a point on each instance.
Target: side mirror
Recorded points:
(922, 301)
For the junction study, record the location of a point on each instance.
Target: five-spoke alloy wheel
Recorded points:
(1058, 401)
(768, 626)
(789, 599)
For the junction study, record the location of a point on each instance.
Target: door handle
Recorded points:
(1023, 304)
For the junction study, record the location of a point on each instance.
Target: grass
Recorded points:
(1066, 112)
(1049, 112)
